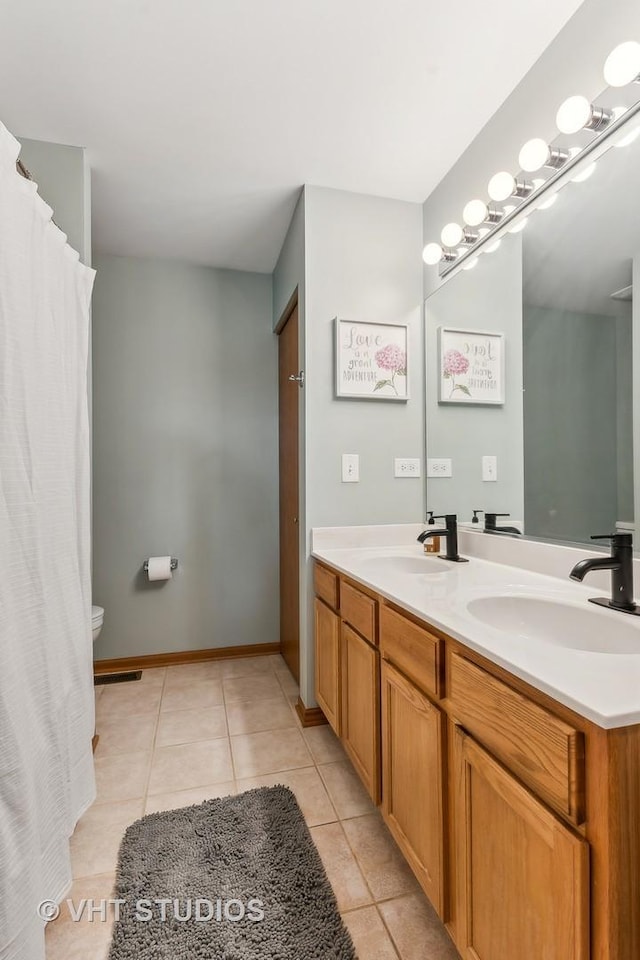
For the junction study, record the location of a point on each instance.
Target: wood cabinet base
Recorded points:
(310, 716)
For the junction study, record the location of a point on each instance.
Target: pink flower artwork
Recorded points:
(455, 364)
(393, 359)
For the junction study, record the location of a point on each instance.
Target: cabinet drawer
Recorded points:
(413, 650)
(543, 751)
(360, 611)
(325, 584)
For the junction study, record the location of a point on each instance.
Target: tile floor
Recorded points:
(238, 720)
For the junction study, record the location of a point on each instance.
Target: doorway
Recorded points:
(288, 416)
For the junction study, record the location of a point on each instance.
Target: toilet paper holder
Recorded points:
(174, 565)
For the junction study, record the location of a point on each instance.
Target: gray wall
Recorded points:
(64, 181)
(185, 456)
(489, 297)
(624, 417)
(570, 437)
(362, 263)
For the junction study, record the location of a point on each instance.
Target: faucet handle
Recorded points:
(430, 519)
(618, 539)
(475, 516)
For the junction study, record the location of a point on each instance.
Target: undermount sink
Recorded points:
(406, 565)
(561, 624)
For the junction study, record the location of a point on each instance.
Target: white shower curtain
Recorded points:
(46, 691)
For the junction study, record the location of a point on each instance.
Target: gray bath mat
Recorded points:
(231, 879)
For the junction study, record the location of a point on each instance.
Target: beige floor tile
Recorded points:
(82, 939)
(384, 868)
(121, 777)
(96, 839)
(309, 789)
(207, 670)
(187, 798)
(264, 687)
(288, 684)
(124, 734)
(341, 867)
(153, 676)
(246, 667)
(189, 694)
(324, 745)
(186, 726)
(129, 700)
(190, 765)
(370, 938)
(416, 930)
(252, 716)
(258, 753)
(345, 789)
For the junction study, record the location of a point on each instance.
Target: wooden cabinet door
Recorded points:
(412, 780)
(327, 640)
(361, 708)
(523, 876)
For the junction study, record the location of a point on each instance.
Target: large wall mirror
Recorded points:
(562, 293)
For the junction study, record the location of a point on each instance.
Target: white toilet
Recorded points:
(97, 617)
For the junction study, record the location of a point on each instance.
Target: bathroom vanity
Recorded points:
(508, 769)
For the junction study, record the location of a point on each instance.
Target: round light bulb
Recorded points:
(534, 154)
(622, 66)
(501, 186)
(475, 213)
(432, 254)
(574, 114)
(451, 234)
(584, 174)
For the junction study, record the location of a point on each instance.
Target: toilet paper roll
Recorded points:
(159, 568)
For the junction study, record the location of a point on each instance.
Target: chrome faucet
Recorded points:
(621, 565)
(490, 525)
(450, 532)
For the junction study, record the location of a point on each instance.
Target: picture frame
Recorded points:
(471, 368)
(371, 360)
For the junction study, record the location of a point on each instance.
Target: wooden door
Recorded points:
(412, 780)
(327, 640)
(360, 683)
(523, 876)
(289, 392)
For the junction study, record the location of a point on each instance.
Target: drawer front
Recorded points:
(360, 611)
(543, 751)
(325, 584)
(413, 650)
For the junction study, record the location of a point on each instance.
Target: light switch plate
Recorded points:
(350, 468)
(406, 467)
(489, 468)
(441, 467)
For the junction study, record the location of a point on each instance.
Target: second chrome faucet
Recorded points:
(450, 531)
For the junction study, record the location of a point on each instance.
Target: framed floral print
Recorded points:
(471, 366)
(371, 360)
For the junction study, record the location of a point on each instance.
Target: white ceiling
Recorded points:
(202, 119)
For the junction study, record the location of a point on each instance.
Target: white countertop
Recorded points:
(603, 687)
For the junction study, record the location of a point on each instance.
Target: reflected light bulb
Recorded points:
(451, 234)
(628, 139)
(534, 154)
(492, 247)
(475, 213)
(584, 174)
(471, 264)
(501, 186)
(549, 202)
(519, 226)
(574, 114)
(622, 66)
(432, 254)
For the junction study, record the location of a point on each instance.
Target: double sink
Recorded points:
(559, 622)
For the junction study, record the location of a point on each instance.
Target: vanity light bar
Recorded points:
(577, 113)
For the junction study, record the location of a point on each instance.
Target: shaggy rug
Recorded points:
(232, 879)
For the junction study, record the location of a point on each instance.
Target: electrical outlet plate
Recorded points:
(489, 469)
(440, 467)
(406, 467)
(350, 468)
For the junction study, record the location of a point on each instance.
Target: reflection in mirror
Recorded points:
(562, 294)
(578, 262)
